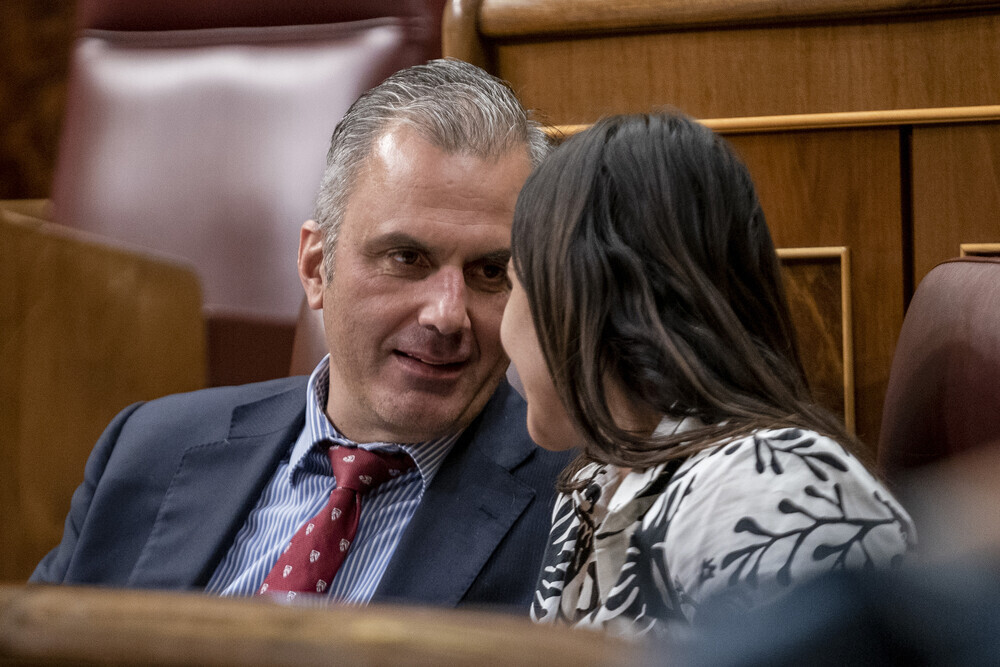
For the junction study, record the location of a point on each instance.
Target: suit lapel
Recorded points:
(215, 487)
(466, 511)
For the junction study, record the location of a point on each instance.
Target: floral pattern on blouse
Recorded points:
(737, 525)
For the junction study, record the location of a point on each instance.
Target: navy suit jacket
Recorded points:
(170, 483)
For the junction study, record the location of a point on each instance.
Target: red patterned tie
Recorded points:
(320, 546)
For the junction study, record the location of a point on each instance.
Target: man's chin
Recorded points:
(426, 413)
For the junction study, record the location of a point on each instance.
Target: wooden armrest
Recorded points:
(47, 624)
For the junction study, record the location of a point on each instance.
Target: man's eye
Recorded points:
(405, 256)
(492, 277)
(494, 272)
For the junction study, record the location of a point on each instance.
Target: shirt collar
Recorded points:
(620, 486)
(427, 455)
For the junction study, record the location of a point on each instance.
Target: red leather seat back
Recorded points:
(187, 15)
(944, 386)
(199, 129)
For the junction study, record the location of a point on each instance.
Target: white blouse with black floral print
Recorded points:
(637, 552)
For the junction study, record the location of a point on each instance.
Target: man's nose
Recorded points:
(445, 307)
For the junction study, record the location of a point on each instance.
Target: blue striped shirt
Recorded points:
(301, 486)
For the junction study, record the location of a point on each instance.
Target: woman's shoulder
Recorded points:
(778, 470)
(772, 456)
(751, 517)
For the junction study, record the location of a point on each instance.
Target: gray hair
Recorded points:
(455, 106)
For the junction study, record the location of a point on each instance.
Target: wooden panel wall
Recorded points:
(841, 188)
(901, 193)
(818, 289)
(760, 71)
(956, 191)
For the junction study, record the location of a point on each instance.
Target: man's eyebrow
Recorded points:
(397, 239)
(496, 257)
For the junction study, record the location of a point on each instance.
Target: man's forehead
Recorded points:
(401, 132)
(401, 146)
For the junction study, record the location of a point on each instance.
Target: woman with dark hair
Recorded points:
(649, 327)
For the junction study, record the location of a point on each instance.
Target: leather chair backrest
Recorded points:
(944, 386)
(187, 15)
(199, 129)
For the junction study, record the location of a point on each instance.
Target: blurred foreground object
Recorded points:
(944, 387)
(45, 625)
(927, 615)
(86, 328)
(957, 507)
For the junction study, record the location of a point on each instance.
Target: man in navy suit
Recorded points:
(407, 259)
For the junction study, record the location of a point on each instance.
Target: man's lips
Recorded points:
(432, 371)
(433, 360)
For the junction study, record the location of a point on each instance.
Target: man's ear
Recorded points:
(311, 270)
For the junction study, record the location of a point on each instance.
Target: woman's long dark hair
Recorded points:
(646, 259)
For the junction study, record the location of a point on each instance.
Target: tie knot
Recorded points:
(360, 470)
